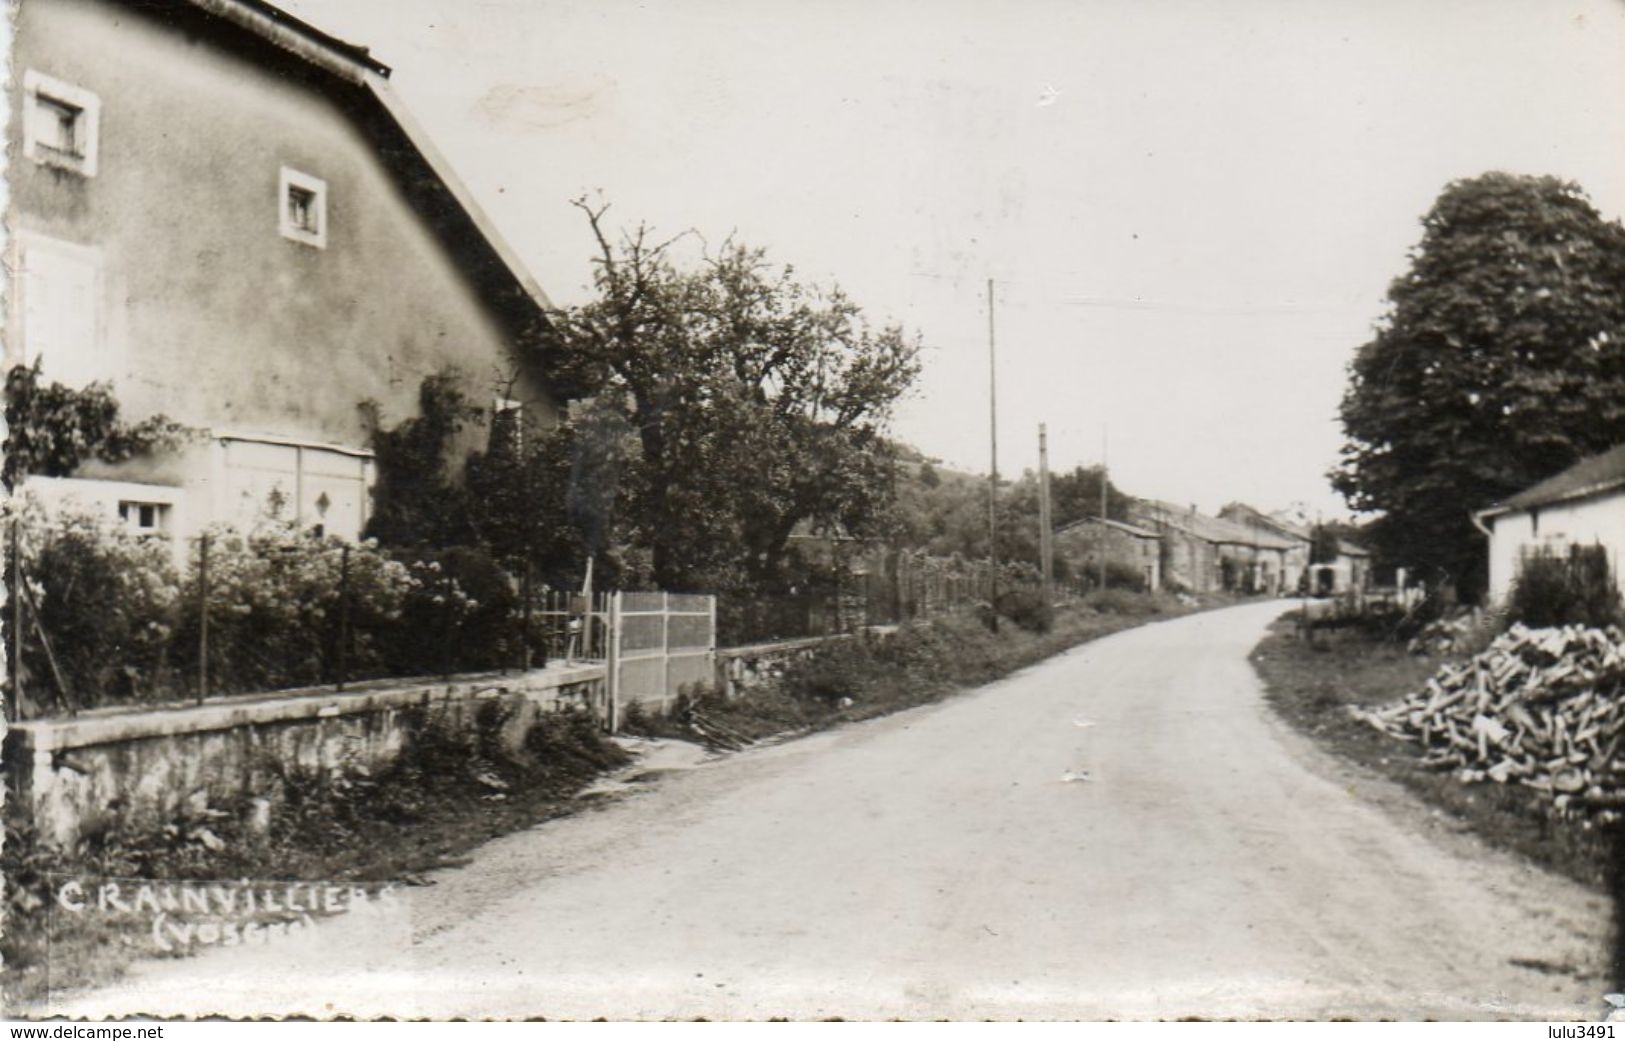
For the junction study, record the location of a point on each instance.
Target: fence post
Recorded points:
(524, 632)
(344, 614)
(613, 662)
(15, 709)
(203, 617)
(713, 648)
(665, 645)
(445, 627)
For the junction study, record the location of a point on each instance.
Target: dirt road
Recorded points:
(1123, 831)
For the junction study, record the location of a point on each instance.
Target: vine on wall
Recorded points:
(52, 430)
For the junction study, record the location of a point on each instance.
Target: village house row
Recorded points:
(1241, 550)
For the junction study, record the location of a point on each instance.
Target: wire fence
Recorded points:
(886, 587)
(103, 617)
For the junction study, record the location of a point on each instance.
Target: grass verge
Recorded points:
(1310, 686)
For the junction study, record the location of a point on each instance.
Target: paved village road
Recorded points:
(937, 863)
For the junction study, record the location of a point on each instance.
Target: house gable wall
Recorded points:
(208, 313)
(1081, 544)
(1557, 526)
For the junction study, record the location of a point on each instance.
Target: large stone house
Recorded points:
(1083, 542)
(228, 215)
(1582, 506)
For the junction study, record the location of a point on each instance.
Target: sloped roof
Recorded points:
(1289, 527)
(1251, 517)
(1590, 476)
(1215, 529)
(1127, 529)
(405, 147)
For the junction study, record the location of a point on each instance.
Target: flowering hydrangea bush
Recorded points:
(104, 597)
(122, 614)
(284, 605)
(458, 615)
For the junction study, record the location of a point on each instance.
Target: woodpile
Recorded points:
(1444, 636)
(1544, 708)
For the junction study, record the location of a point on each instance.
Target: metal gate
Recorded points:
(659, 643)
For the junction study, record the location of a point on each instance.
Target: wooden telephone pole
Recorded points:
(993, 475)
(1105, 482)
(1046, 527)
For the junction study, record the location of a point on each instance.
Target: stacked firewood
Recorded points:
(1443, 636)
(1543, 708)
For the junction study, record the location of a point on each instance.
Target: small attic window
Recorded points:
(144, 518)
(302, 207)
(61, 123)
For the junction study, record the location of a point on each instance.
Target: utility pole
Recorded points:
(993, 475)
(1105, 482)
(1046, 549)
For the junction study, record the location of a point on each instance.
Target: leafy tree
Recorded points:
(1499, 362)
(757, 403)
(946, 515)
(552, 497)
(1076, 495)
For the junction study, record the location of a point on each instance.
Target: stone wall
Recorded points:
(741, 668)
(146, 766)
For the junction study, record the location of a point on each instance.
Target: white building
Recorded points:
(1582, 506)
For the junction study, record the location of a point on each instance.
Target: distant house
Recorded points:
(1348, 570)
(1206, 554)
(229, 216)
(1582, 506)
(1295, 559)
(1082, 543)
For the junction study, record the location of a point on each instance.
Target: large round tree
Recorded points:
(1500, 362)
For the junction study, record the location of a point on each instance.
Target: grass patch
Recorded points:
(447, 793)
(1310, 686)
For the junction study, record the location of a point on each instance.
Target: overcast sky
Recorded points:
(1191, 208)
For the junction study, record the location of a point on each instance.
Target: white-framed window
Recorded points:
(144, 518)
(57, 317)
(508, 416)
(61, 123)
(302, 207)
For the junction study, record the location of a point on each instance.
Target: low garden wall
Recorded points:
(144, 766)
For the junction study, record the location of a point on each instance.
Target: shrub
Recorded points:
(1577, 589)
(457, 615)
(1120, 575)
(275, 600)
(1028, 609)
(570, 746)
(486, 632)
(1121, 601)
(106, 599)
(838, 669)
